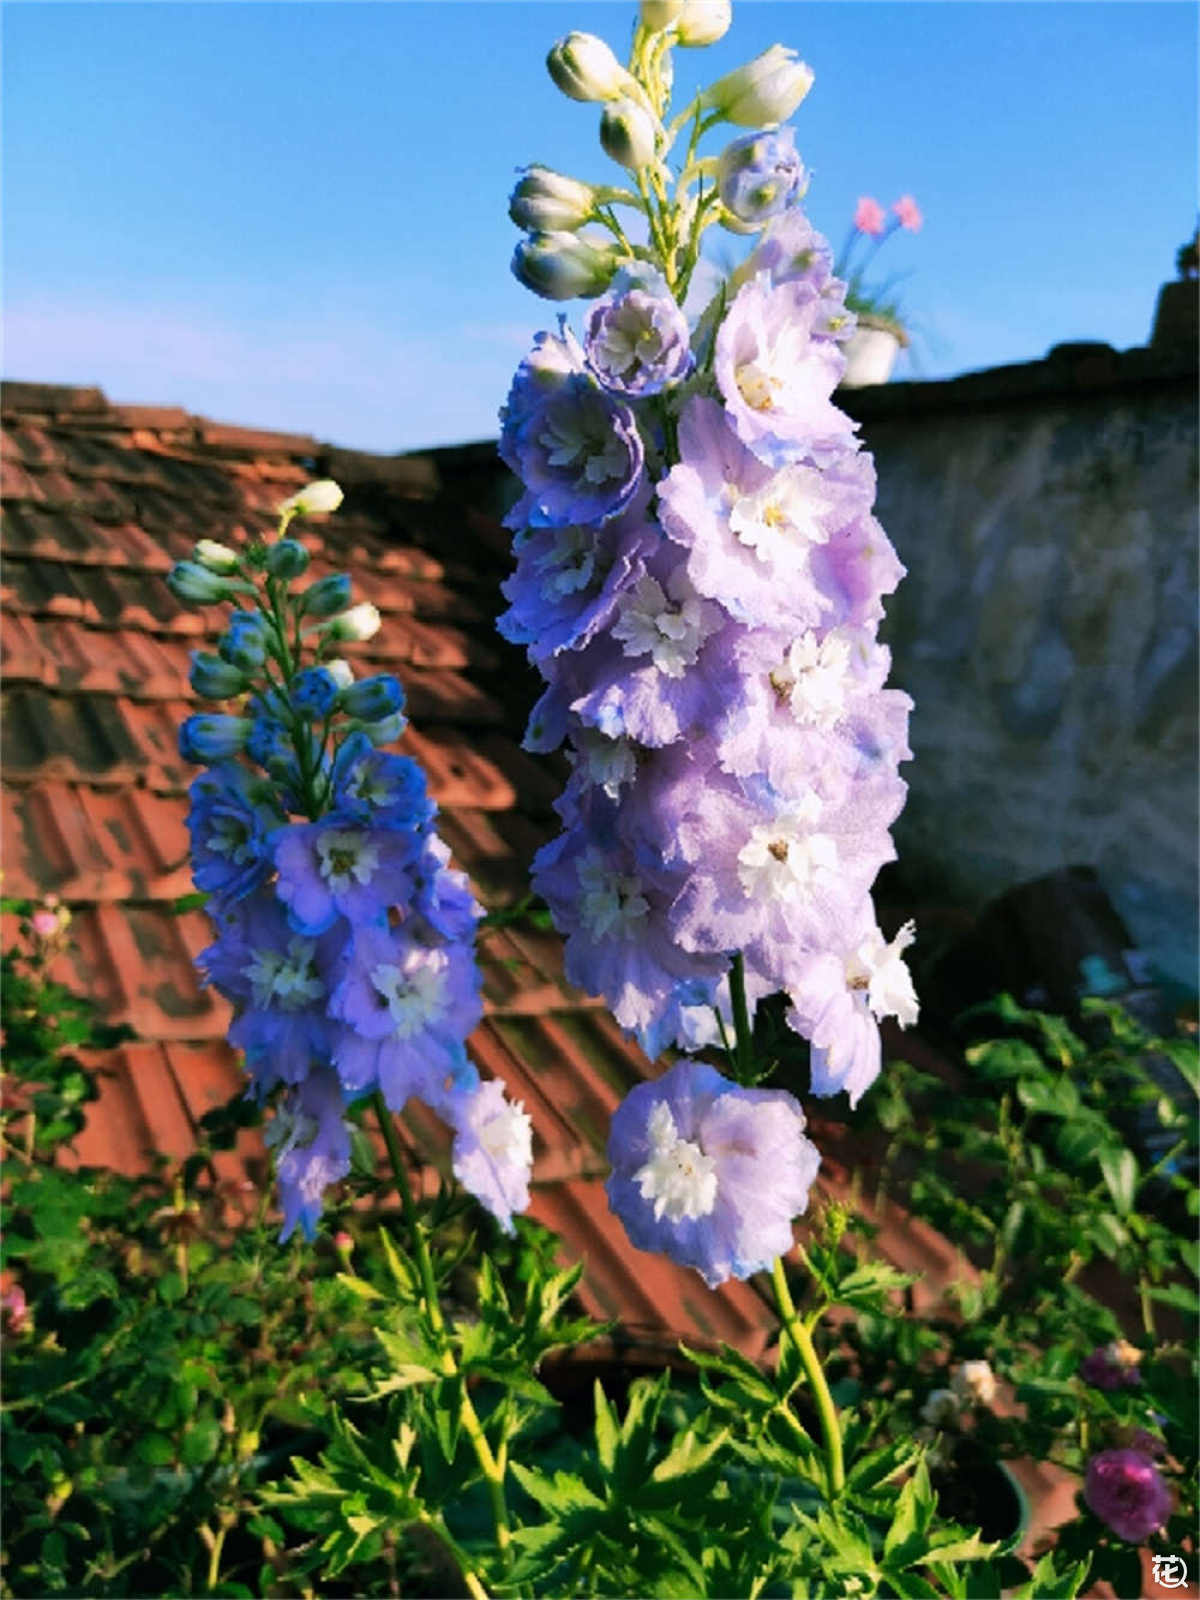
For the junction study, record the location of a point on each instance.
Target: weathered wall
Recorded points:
(1047, 627)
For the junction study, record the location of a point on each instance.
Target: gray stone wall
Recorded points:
(1047, 627)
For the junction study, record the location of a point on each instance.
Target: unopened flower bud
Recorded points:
(627, 133)
(758, 176)
(561, 266)
(387, 729)
(765, 91)
(287, 559)
(545, 201)
(213, 738)
(326, 596)
(323, 495)
(245, 643)
(216, 557)
(372, 698)
(197, 585)
(703, 22)
(659, 14)
(340, 671)
(214, 678)
(585, 68)
(360, 622)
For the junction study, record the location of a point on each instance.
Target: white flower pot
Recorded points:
(871, 352)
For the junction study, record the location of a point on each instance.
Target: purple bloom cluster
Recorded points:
(345, 941)
(700, 585)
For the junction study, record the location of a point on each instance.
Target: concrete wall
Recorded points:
(1047, 627)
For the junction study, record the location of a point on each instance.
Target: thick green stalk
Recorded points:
(830, 1428)
(744, 1047)
(492, 1469)
(797, 1330)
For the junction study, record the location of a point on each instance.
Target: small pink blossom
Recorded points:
(1125, 1490)
(868, 215)
(45, 924)
(908, 213)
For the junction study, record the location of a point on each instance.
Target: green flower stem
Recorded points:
(826, 1411)
(492, 1469)
(744, 1048)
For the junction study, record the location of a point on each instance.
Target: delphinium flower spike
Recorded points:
(700, 580)
(345, 941)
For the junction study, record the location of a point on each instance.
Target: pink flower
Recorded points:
(908, 213)
(45, 924)
(868, 215)
(1125, 1490)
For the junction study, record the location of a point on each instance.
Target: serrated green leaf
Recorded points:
(560, 1494)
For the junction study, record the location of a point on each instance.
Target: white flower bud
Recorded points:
(216, 557)
(703, 22)
(360, 622)
(763, 92)
(585, 68)
(974, 1383)
(340, 671)
(324, 495)
(544, 201)
(560, 266)
(659, 14)
(627, 133)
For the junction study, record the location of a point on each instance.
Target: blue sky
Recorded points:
(294, 215)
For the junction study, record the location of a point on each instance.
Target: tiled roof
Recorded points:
(100, 499)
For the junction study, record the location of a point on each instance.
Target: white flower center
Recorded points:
(783, 517)
(507, 1135)
(780, 860)
(289, 1129)
(758, 385)
(609, 903)
(570, 564)
(569, 441)
(670, 630)
(414, 993)
(815, 678)
(286, 981)
(679, 1178)
(347, 857)
(605, 763)
(229, 836)
(879, 971)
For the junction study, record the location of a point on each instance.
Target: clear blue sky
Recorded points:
(294, 215)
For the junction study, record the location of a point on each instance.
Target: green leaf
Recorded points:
(1005, 1058)
(869, 1284)
(606, 1431)
(906, 1538)
(359, 1286)
(560, 1494)
(1177, 1295)
(404, 1274)
(1056, 1097)
(972, 1548)
(1120, 1170)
